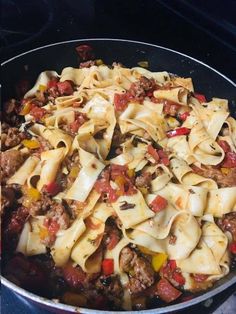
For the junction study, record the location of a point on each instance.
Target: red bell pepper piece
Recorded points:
(183, 116)
(201, 98)
(120, 101)
(224, 145)
(164, 157)
(179, 278)
(153, 152)
(53, 188)
(232, 247)
(166, 291)
(177, 132)
(108, 266)
(37, 112)
(52, 83)
(229, 160)
(158, 204)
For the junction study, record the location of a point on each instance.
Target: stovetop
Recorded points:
(205, 30)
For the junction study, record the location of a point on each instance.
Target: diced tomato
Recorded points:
(85, 52)
(52, 226)
(183, 116)
(179, 278)
(37, 112)
(201, 98)
(158, 204)
(164, 159)
(224, 145)
(52, 83)
(74, 276)
(172, 264)
(229, 160)
(232, 247)
(89, 224)
(108, 266)
(166, 291)
(153, 152)
(52, 188)
(121, 101)
(200, 277)
(114, 239)
(177, 132)
(65, 88)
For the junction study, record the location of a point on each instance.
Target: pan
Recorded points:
(59, 55)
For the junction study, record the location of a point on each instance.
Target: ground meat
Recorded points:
(111, 287)
(10, 112)
(228, 223)
(147, 84)
(112, 234)
(10, 162)
(58, 213)
(39, 207)
(7, 198)
(17, 220)
(144, 180)
(13, 137)
(142, 272)
(170, 108)
(127, 259)
(223, 180)
(87, 64)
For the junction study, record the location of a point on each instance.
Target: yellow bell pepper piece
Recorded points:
(99, 62)
(42, 88)
(158, 260)
(130, 173)
(172, 122)
(143, 190)
(33, 194)
(74, 172)
(143, 64)
(224, 170)
(32, 144)
(43, 233)
(145, 250)
(26, 109)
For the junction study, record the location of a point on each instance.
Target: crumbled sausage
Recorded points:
(86, 64)
(228, 223)
(144, 180)
(142, 272)
(223, 180)
(11, 160)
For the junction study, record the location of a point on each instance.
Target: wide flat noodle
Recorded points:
(91, 168)
(50, 161)
(56, 137)
(137, 117)
(21, 175)
(185, 175)
(65, 241)
(200, 261)
(204, 148)
(221, 201)
(87, 245)
(138, 213)
(175, 94)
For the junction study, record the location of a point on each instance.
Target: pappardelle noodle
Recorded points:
(118, 188)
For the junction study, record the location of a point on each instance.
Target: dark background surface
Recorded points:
(205, 30)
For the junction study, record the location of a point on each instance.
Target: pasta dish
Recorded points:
(118, 188)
